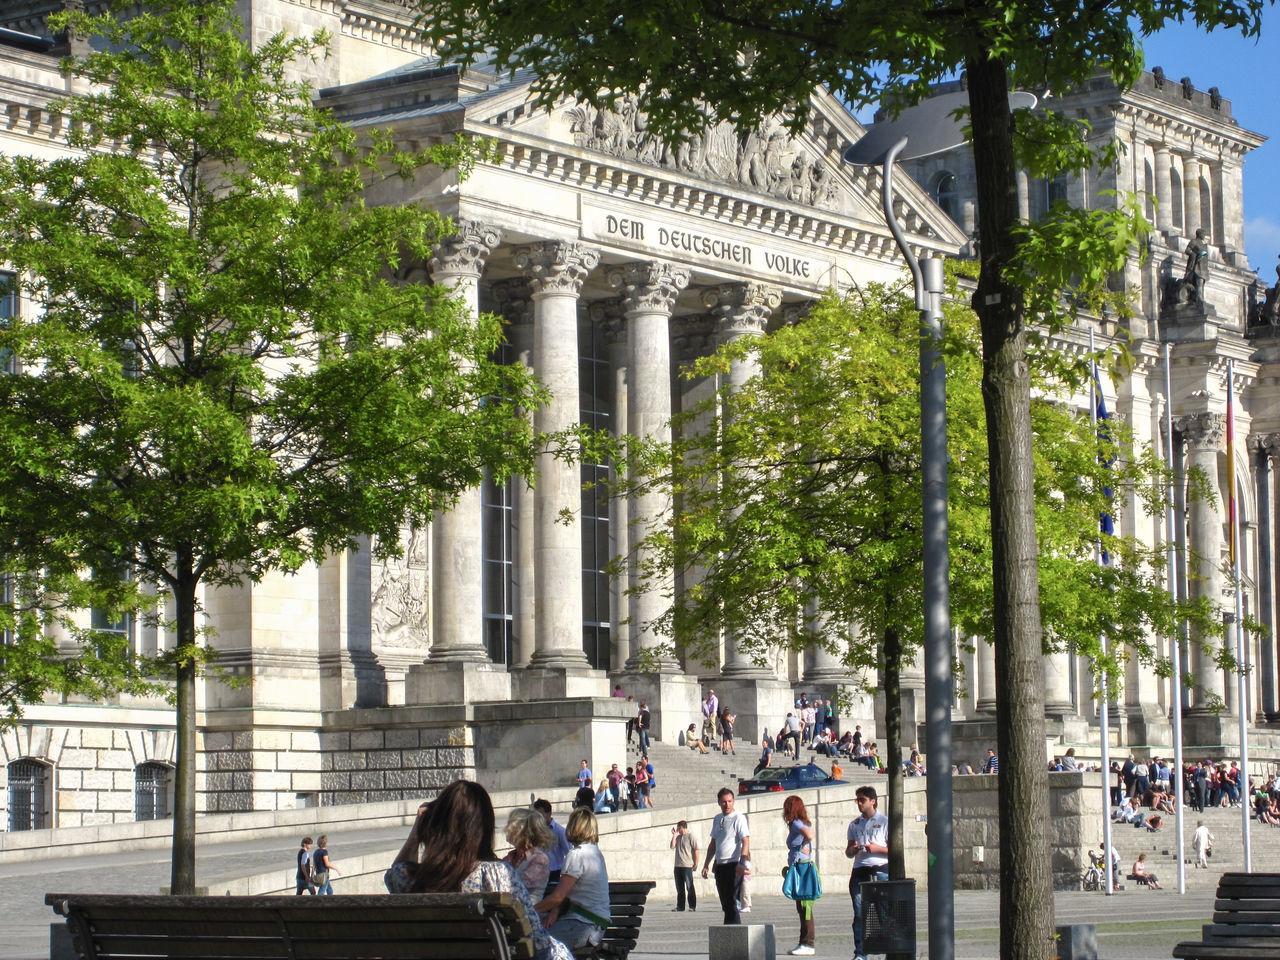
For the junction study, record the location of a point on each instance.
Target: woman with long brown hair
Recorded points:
(800, 848)
(455, 834)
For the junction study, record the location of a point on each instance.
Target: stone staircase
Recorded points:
(686, 776)
(1228, 847)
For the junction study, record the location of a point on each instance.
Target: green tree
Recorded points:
(744, 61)
(224, 376)
(802, 486)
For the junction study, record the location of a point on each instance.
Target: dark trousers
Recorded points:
(684, 883)
(729, 887)
(862, 875)
(805, 909)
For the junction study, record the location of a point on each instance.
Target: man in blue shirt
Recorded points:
(557, 853)
(993, 763)
(584, 775)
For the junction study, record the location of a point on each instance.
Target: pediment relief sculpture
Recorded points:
(767, 159)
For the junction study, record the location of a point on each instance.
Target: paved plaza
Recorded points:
(1136, 924)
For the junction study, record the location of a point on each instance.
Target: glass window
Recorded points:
(946, 195)
(595, 384)
(28, 785)
(8, 310)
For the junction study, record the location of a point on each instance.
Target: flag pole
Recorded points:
(1171, 553)
(1241, 685)
(1104, 712)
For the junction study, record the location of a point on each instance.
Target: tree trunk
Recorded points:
(183, 877)
(1026, 888)
(893, 759)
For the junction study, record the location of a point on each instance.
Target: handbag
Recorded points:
(320, 877)
(802, 882)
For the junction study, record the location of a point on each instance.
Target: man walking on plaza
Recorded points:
(730, 844)
(685, 844)
(868, 848)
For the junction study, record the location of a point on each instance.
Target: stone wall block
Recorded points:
(301, 761)
(437, 778)
(138, 747)
(38, 745)
(78, 759)
(273, 740)
(1065, 802)
(313, 741)
(96, 818)
(124, 780)
(216, 741)
(242, 782)
(77, 800)
(402, 779)
(116, 759)
(366, 740)
(452, 757)
(217, 782)
(68, 779)
(385, 760)
(242, 740)
(367, 780)
(96, 780)
(333, 780)
(379, 796)
(165, 746)
(120, 739)
(57, 743)
(334, 740)
(400, 739)
(98, 738)
(419, 759)
(115, 801)
(234, 760)
(350, 761)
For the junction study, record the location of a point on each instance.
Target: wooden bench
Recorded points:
(1246, 921)
(430, 926)
(626, 908)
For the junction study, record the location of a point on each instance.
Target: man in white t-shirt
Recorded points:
(868, 848)
(730, 844)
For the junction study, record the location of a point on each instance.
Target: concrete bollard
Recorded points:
(1077, 941)
(61, 946)
(753, 941)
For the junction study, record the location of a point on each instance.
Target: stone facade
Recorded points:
(489, 648)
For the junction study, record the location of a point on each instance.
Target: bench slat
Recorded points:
(358, 927)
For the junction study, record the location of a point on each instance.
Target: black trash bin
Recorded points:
(889, 916)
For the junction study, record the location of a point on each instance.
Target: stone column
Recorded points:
(1217, 227)
(1263, 449)
(1191, 196)
(558, 666)
(740, 309)
(608, 314)
(1164, 188)
(985, 680)
(1204, 434)
(515, 302)
(648, 290)
(755, 694)
(460, 670)
(1024, 194)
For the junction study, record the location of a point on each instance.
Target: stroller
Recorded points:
(1095, 877)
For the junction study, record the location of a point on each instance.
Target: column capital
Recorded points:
(741, 308)
(610, 316)
(1203, 431)
(693, 337)
(515, 300)
(649, 286)
(556, 267)
(1266, 446)
(794, 313)
(464, 253)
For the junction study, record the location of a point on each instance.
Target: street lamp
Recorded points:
(930, 127)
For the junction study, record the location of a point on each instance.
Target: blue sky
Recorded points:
(1245, 71)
